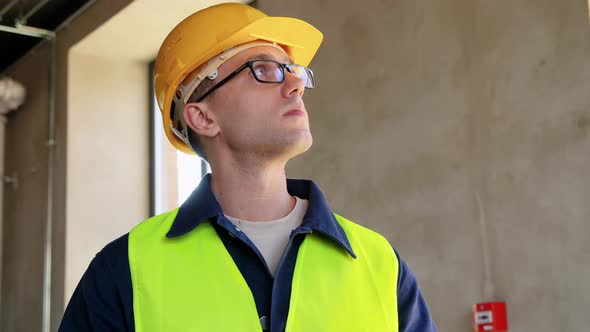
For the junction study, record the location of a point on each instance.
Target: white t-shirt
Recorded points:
(271, 237)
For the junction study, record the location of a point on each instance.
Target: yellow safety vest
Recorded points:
(191, 283)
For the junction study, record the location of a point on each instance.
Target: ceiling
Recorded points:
(139, 29)
(43, 14)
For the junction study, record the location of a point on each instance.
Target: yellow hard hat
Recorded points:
(211, 31)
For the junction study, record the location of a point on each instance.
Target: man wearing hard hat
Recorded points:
(249, 250)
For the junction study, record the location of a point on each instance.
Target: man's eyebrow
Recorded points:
(266, 56)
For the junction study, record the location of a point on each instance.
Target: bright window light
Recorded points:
(175, 174)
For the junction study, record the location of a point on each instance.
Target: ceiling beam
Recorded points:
(22, 20)
(7, 8)
(28, 31)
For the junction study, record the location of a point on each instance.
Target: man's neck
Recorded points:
(252, 191)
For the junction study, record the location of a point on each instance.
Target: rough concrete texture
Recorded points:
(25, 204)
(449, 125)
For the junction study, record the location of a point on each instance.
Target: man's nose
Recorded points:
(293, 84)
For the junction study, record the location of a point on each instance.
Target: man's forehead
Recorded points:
(277, 56)
(264, 52)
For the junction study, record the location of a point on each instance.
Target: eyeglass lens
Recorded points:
(271, 71)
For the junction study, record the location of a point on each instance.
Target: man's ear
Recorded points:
(200, 119)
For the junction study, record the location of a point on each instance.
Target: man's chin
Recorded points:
(301, 145)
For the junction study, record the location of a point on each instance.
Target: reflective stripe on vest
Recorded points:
(191, 283)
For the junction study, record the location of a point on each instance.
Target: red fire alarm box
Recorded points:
(490, 317)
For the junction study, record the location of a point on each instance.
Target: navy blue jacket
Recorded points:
(103, 300)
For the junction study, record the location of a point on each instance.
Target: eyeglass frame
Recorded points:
(248, 64)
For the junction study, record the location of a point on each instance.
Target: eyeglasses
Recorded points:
(268, 71)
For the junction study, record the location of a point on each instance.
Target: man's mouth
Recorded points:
(295, 112)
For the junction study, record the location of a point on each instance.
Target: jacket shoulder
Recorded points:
(154, 225)
(359, 235)
(353, 227)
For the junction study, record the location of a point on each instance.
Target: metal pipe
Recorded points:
(46, 327)
(50, 170)
(2, 144)
(28, 31)
(488, 290)
(23, 20)
(7, 8)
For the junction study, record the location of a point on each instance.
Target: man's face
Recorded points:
(263, 118)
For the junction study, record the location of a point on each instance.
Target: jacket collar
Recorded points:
(201, 205)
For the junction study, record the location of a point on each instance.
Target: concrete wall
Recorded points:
(108, 158)
(25, 205)
(449, 125)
